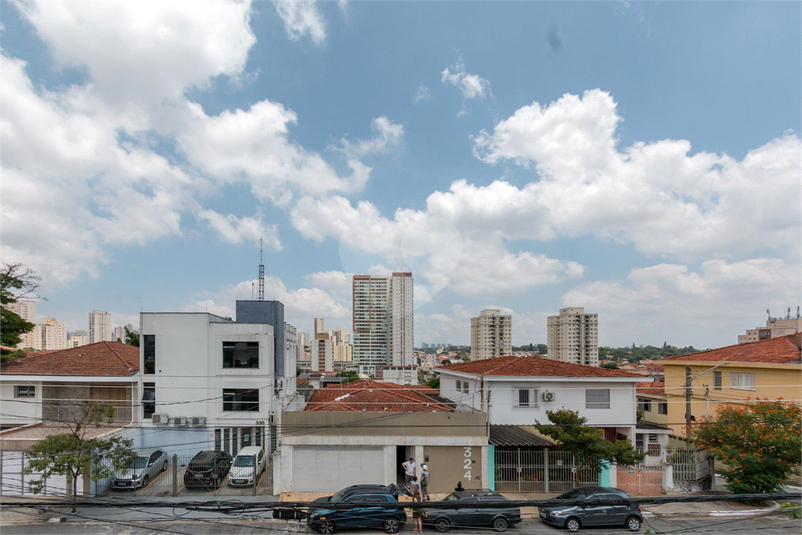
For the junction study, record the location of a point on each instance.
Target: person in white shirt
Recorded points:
(409, 470)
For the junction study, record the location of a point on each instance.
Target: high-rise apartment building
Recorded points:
(24, 309)
(99, 326)
(573, 336)
(119, 332)
(491, 335)
(383, 321)
(77, 339)
(322, 353)
(49, 334)
(320, 326)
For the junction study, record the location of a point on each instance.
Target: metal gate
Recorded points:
(540, 470)
(641, 480)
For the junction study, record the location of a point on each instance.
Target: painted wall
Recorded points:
(20, 411)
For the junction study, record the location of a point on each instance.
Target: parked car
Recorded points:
(141, 470)
(370, 510)
(465, 511)
(207, 469)
(618, 511)
(242, 469)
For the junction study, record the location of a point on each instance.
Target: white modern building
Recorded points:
(322, 353)
(383, 321)
(48, 335)
(212, 383)
(491, 335)
(573, 336)
(99, 326)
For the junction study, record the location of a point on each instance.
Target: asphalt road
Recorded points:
(775, 524)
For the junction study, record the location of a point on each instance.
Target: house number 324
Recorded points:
(467, 463)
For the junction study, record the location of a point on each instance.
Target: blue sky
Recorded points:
(642, 160)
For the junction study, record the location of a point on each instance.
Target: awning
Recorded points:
(518, 435)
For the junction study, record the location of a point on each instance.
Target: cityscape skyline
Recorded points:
(520, 158)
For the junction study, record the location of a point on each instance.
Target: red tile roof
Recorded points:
(98, 359)
(652, 389)
(533, 366)
(781, 350)
(372, 396)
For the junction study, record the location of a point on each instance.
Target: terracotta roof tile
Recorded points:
(781, 350)
(372, 396)
(533, 366)
(98, 359)
(653, 389)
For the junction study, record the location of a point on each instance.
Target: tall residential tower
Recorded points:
(573, 336)
(99, 326)
(491, 335)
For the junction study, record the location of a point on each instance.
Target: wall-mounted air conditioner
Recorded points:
(197, 421)
(548, 396)
(159, 419)
(179, 421)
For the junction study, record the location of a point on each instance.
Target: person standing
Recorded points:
(425, 476)
(416, 513)
(409, 470)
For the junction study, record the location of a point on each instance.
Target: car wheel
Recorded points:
(500, 524)
(633, 523)
(165, 466)
(442, 525)
(391, 525)
(326, 527)
(572, 524)
(145, 481)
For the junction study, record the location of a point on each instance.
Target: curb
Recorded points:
(749, 513)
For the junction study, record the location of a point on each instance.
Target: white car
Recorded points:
(242, 472)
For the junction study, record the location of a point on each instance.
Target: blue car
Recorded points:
(372, 509)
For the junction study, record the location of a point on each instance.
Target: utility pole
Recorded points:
(687, 401)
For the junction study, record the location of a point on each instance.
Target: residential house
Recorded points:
(738, 374)
(652, 428)
(361, 432)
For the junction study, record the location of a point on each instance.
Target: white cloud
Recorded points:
(302, 17)
(388, 135)
(336, 283)
(470, 85)
(234, 229)
(422, 94)
(674, 303)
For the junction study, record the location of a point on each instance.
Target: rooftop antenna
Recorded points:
(797, 311)
(768, 311)
(788, 316)
(261, 272)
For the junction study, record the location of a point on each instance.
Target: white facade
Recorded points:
(49, 334)
(322, 354)
(607, 402)
(775, 327)
(77, 340)
(401, 375)
(573, 336)
(343, 352)
(99, 326)
(202, 366)
(119, 332)
(320, 326)
(491, 335)
(24, 309)
(383, 321)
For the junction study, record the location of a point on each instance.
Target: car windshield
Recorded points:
(244, 461)
(570, 495)
(339, 496)
(139, 462)
(451, 498)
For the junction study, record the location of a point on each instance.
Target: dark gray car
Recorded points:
(468, 509)
(599, 506)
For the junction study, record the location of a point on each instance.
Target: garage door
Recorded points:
(328, 469)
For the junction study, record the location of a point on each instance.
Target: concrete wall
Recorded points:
(20, 411)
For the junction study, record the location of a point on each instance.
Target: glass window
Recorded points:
(523, 397)
(240, 399)
(662, 407)
(645, 405)
(149, 399)
(597, 398)
(240, 354)
(716, 380)
(149, 353)
(742, 381)
(24, 391)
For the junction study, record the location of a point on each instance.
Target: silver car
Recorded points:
(141, 470)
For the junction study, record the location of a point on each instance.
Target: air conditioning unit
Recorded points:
(159, 419)
(197, 421)
(548, 396)
(180, 421)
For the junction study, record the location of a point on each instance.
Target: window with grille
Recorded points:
(716, 380)
(24, 391)
(525, 397)
(459, 386)
(597, 398)
(742, 381)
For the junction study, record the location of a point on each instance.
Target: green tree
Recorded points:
(588, 444)
(131, 337)
(610, 365)
(16, 282)
(434, 382)
(759, 443)
(73, 453)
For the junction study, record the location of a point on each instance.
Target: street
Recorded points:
(772, 524)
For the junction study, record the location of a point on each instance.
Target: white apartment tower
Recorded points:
(320, 326)
(99, 326)
(573, 336)
(491, 335)
(383, 321)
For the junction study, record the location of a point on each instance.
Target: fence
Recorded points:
(14, 483)
(688, 464)
(537, 470)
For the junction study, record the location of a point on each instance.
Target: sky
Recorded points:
(639, 159)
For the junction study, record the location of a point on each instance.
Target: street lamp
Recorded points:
(688, 381)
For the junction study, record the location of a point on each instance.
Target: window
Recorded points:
(645, 405)
(240, 399)
(662, 407)
(149, 352)
(464, 387)
(716, 380)
(525, 397)
(459, 386)
(149, 399)
(597, 398)
(240, 354)
(742, 381)
(24, 391)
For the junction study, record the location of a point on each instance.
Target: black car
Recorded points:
(469, 510)
(372, 508)
(207, 469)
(616, 509)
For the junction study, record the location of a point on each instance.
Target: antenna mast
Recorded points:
(261, 272)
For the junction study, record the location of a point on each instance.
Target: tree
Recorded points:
(16, 282)
(610, 365)
(588, 444)
(434, 382)
(72, 453)
(759, 443)
(131, 337)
